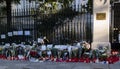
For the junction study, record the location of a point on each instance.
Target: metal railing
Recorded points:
(65, 26)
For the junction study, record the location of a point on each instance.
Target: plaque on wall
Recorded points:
(100, 16)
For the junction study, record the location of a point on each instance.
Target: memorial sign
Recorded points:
(101, 16)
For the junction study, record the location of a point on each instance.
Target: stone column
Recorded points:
(101, 24)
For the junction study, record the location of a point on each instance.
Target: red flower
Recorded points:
(2, 57)
(113, 59)
(87, 60)
(33, 53)
(81, 59)
(72, 60)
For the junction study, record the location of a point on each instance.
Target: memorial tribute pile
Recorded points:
(80, 52)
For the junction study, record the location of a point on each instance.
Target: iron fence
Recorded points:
(66, 26)
(115, 26)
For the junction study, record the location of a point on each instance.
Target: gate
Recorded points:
(66, 26)
(115, 26)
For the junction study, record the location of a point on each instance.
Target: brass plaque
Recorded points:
(101, 16)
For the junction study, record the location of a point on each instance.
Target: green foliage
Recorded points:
(48, 8)
(3, 6)
(52, 6)
(90, 6)
(65, 3)
(14, 1)
(54, 19)
(49, 12)
(8, 11)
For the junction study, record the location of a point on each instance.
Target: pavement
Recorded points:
(7, 64)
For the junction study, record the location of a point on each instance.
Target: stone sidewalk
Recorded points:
(5, 64)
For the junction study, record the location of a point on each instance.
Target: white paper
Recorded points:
(20, 32)
(40, 40)
(3, 36)
(10, 34)
(27, 32)
(43, 47)
(15, 32)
